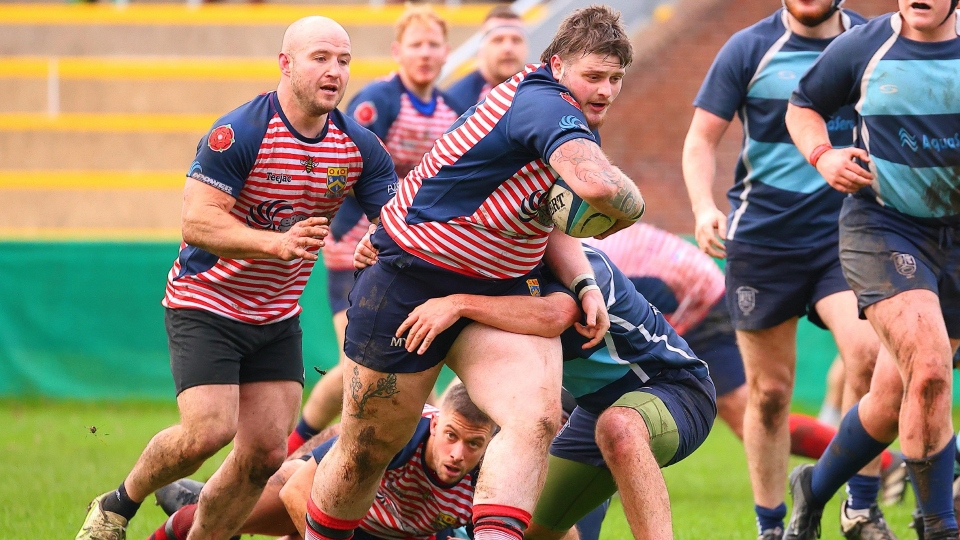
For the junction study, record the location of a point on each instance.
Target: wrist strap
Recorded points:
(818, 152)
(576, 281)
(583, 290)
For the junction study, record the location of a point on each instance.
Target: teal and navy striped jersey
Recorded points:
(638, 346)
(907, 95)
(778, 199)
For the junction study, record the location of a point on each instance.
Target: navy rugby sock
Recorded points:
(862, 491)
(770, 518)
(849, 451)
(932, 480)
(119, 502)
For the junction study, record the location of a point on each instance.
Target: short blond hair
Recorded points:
(421, 14)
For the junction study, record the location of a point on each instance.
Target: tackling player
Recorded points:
(780, 239)
(898, 243)
(266, 180)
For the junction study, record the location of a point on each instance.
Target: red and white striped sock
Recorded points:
(321, 526)
(499, 522)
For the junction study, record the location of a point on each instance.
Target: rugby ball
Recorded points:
(573, 215)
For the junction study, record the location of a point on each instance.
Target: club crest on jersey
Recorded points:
(444, 521)
(534, 286)
(905, 263)
(221, 138)
(336, 180)
(365, 113)
(309, 164)
(746, 299)
(569, 99)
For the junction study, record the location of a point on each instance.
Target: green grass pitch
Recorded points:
(52, 465)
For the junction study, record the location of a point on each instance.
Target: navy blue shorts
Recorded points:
(339, 283)
(386, 293)
(885, 252)
(767, 285)
(715, 342)
(691, 401)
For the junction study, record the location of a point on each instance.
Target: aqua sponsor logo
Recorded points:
(925, 142)
(572, 122)
(840, 124)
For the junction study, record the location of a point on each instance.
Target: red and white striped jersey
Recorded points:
(278, 178)
(471, 204)
(411, 502)
(643, 250)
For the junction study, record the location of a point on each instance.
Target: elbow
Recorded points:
(558, 320)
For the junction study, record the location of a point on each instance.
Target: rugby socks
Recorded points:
(770, 518)
(177, 526)
(321, 526)
(301, 434)
(932, 480)
(120, 503)
(499, 522)
(848, 452)
(862, 491)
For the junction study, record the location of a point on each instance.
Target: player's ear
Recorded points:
(395, 51)
(433, 425)
(556, 66)
(286, 63)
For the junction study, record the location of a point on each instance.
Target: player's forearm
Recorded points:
(211, 229)
(807, 129)
(699, 171)
(588, 172)
(545, 317)
(565, 258)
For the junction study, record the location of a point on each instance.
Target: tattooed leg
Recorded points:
(380, 414)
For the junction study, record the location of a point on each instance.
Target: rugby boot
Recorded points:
(176, 495)
(775, 533)
(101, 524)
(805, 516)
(871, 526)
(893, 481)
(917, 524)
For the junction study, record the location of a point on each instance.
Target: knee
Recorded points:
(929, 384)
(771, 400)
(261, 462)
(621, 434)
(204, 443)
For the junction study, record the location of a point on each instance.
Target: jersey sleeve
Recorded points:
(227, 153)
(378, 180)
(725, 87)
(833, 80)
(374, 109)
(319, 452)
(543, 116)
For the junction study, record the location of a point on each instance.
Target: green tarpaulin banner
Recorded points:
(83, 320)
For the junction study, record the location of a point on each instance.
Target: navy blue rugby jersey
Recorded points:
(777, 199)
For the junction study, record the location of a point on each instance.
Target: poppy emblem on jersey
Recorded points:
(906, 264)
(534, 286)
(569, 99)
(746, 299)
(365, 113)
(221, 138)
(309, 164)
(336, 181)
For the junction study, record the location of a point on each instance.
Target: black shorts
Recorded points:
(715, 342)
(339, 283)
(209, 349)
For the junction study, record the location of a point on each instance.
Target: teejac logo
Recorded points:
(269, 215)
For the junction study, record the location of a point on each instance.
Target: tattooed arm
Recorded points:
(585, 168)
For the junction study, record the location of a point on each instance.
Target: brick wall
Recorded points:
(645, 132)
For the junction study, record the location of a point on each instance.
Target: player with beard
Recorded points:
(408, 113)
(780, 241)
(462, 222)
(898, 243)
(258, 197)
(503, 48)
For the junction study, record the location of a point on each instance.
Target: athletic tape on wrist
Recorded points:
(584, 290)
(576, 281)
